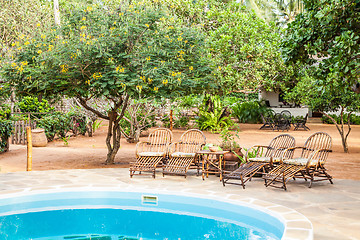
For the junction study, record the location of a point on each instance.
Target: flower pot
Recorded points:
(231, 156)
(38, 137)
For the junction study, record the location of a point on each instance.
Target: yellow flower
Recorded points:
(83, 19)
(165, 81)
(185, 41)
(27, 43)
(219, 68)
(150, 80)
(24, 63)
(179, 79)
(156, 89)
(148, 58)
(43, 36)
(179, 39)
(120, 69)
(155, 67)
(38, 25)
(115, 23)
(139, 87)
(50, 47)
(39, 52)
(82, 27)
(162, 62)
(64, 68)
(89, 9)
(147, 25)
(191, 68)
(19, 48)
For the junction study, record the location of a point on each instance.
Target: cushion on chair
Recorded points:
(264, 159)
(260, 159)
(182, 154)
(151, 154)
(299, 161)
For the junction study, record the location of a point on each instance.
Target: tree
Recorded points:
(114, 54)
(323, 42)
(245, 49)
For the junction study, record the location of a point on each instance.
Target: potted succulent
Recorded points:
(228, 143)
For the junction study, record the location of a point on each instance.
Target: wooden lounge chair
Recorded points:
(273, 153)
(310, 164)
(182, 153)
(150, 153)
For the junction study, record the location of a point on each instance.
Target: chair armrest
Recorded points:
(282, 157)
(252, 147)
(172, 147)
(313, 156)
(140, 147)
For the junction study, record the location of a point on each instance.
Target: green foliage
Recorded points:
(56, 123)
(33, 105)
(354, 119)
(5, 112)
(327, 30)
(5, 132)
(136, 49)
(79, 122)
(245, 49)
(249, 112)
(228, 139)
(212, 115)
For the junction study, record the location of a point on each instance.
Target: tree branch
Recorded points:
(83, 103)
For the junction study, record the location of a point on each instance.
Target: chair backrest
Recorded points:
(191, 141)
(159, 140)
(286, 114)
(279, 144)
(316, 141)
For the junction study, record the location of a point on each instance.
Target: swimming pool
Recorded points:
(106, 215)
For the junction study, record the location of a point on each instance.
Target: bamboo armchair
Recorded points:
(261, 164)
(182, 153)
(150, 153)
(310, 164)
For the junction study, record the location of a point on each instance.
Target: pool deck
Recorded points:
(334, 210)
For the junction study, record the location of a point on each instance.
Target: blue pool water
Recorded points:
(120, 216)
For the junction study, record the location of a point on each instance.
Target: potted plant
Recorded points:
(228, 143)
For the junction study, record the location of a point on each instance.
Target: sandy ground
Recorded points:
(85, 152)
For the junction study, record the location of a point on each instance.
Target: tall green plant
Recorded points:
(212, 115)
(249, 112)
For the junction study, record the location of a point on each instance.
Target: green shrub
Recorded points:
(249, 112)
(32, 104)
(5, 133)
(354, 119)
(56, 123)
(78, 121)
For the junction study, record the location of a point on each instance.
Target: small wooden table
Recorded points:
(212, 162)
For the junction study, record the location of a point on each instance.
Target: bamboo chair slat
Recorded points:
(316, 150)
(190, 142)
(157, 143)
(275, 149)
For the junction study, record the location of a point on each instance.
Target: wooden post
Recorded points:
(171, 120)
(29, 149)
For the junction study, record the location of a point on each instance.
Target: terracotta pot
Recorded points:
(230, 156)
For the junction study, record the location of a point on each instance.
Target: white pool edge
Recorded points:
(296, 225)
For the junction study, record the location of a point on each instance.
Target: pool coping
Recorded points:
(296, 225)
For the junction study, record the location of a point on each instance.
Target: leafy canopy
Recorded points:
(135, 50)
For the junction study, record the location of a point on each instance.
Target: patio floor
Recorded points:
(334, 210)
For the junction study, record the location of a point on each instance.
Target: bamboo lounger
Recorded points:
(310, 165)
(182, 154)
(259, 163)
(150, 153)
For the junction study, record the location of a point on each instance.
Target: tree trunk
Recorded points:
(113, 138)
(340, 128)
(56, 12)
